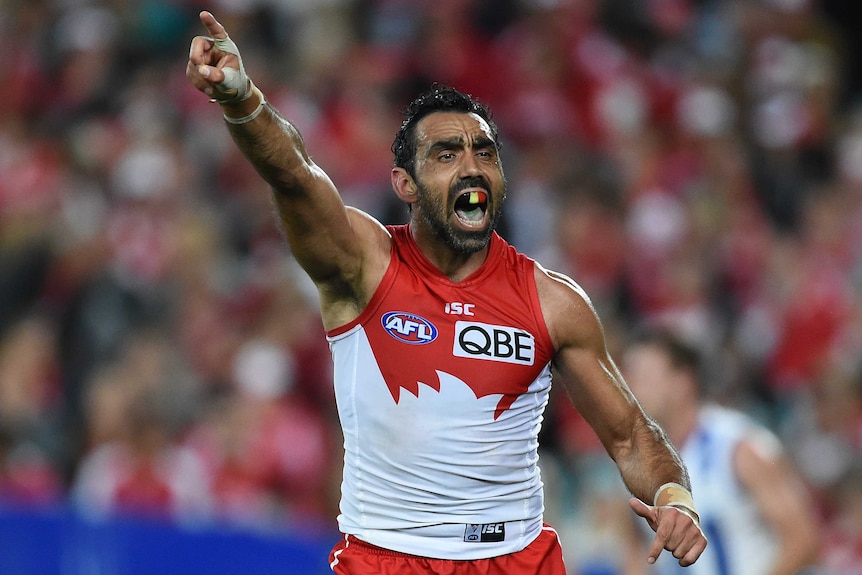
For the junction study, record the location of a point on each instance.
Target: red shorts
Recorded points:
(352, 556)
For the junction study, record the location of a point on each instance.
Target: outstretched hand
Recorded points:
(215, 66)
(675, 530)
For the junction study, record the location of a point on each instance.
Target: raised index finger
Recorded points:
(215, 29)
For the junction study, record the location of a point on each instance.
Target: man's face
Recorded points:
(460, 182)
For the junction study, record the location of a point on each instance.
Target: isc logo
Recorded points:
(460, 308)
(485, 532)
(409, 327)
(493, 342)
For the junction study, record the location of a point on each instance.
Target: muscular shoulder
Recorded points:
(567, 309)
(345, 295)
(370, 232)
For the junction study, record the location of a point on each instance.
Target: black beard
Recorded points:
(460, 241)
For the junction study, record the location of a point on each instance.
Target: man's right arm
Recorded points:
(343, 250)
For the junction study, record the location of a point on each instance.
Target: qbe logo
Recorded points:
(494, 342)
(409, 327)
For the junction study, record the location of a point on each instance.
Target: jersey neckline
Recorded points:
(494, 258)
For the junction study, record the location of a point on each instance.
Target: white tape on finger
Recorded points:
(234, 87)
(226, 45)
(233, 81)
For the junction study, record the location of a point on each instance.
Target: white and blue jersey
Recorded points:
(740, 542)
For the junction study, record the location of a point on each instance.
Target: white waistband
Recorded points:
(457, 541)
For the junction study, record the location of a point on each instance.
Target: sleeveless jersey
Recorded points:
(740, 542)
(441, 388)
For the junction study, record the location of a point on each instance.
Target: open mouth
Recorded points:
(470, 207)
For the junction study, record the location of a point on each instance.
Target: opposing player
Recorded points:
(444, 339)
(753, 505)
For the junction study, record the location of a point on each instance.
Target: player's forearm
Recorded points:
(272, 145)
(649, 462)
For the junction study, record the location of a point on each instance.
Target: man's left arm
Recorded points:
(649, 465)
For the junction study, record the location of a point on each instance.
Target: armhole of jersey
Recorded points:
(533, 290)
(385, 285)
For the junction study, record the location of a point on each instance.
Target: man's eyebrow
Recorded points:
(459, 142)
(447, 144)
(484, 142)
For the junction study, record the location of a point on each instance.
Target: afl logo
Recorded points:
(409, 327)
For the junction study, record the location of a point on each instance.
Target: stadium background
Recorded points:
(164, 381)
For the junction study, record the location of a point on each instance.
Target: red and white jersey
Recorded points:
(441, 387)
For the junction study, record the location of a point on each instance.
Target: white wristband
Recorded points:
(254, 114)
(675, 495)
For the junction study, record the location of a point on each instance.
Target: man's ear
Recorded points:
(404, 185)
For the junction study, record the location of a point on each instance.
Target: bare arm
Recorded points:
(343, 250)
(645, 458)
(782, 500)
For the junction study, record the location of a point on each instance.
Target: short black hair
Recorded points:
(440, 98)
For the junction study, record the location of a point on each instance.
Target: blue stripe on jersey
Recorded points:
(719, 549)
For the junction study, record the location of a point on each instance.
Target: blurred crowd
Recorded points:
(694, 162)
